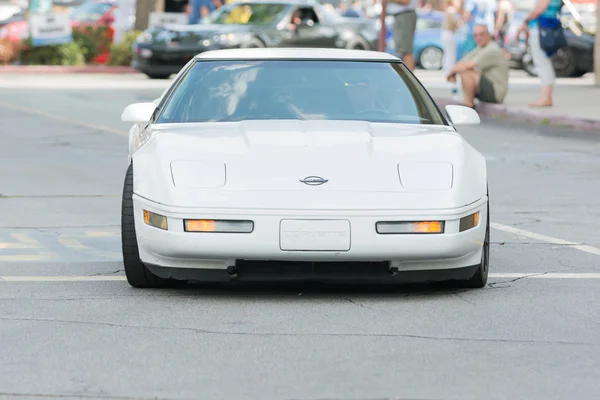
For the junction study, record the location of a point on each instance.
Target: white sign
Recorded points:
(161, 18)
(50, 29)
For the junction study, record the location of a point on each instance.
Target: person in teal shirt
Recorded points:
(547, 11)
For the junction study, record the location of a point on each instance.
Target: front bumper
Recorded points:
(179, 250)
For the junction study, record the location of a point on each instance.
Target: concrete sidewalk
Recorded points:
(576, 103)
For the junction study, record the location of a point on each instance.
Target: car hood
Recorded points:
(260, 164)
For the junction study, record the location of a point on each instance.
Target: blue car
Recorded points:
(428, 49)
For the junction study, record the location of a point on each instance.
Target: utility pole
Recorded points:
(383, 30)
(597, 47)
(143, 8)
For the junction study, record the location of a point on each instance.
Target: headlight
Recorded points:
(469, 222)
(233, 38)
(155, 220)
(411, 227)
(144, 38)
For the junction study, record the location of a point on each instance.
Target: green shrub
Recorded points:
(121, 52)
(63, 54)
(93, 41)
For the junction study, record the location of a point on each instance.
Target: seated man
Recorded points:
(484, 71)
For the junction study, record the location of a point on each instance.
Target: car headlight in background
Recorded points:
(155, 220)
(144, 38)
(469, 222)
(233, 38)
(411, 227)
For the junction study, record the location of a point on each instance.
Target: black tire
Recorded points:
(138, 275)
(480, 278)
(564, 62)
(157, 75)
(578, 73)
(358, 43)
(253, 43)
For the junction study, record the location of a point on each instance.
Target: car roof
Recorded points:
(295, 54)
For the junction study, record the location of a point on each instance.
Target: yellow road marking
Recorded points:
(63, 119)
(72, 242)
(26, 257)
(60, 278)
(17, 246)
(24, 241)
(102, 234)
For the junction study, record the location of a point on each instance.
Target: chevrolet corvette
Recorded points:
(310, 164)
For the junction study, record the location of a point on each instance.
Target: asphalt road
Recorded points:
(533, 333)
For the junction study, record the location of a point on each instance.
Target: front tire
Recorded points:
(138, 275)
(157, 75)
(479, 279)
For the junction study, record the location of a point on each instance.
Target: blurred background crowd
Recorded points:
(158, 36)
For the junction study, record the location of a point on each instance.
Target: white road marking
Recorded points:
(102, 278)
(547, 239)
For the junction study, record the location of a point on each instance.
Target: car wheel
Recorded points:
(431, 58)
(358, 44)
(252, 43)
(157, 76)
(578, 73)
(564, 62)
(138, 275)
(479, 280)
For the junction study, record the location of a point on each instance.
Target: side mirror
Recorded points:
(138, 113)
(461, 115)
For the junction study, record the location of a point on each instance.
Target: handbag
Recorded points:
(552, 35)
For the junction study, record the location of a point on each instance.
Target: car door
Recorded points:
(311, 32)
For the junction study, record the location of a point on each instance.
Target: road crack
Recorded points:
(278, 334)
(493, 284)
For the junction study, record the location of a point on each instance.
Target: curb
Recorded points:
(501, 111)
(59, 69)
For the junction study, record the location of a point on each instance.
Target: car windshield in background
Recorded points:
(248, 14)
(225, 91)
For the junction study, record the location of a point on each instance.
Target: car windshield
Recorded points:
(225, 91)
(248, 14)
(90, 12)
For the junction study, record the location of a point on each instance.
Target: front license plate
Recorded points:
(314, 235)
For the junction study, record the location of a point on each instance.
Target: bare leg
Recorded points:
(546, 98)
(470, 86)
(409, 60)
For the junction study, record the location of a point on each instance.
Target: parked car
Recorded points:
(575, 60)
(427, 49)
(160, 52)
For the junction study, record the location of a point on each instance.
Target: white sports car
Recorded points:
(259, 164)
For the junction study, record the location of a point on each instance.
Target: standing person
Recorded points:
(503, 19)
(199, 9)
(545, 10)
(405, 24)
(450, 26)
